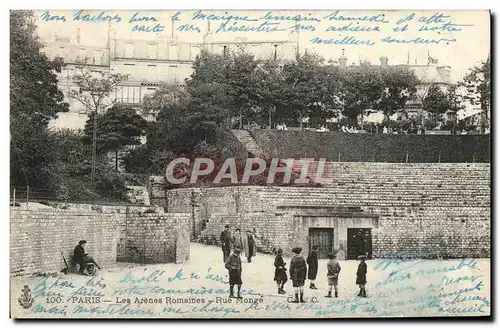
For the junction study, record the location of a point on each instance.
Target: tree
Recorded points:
(268, 82)
(212, 99)
(302, 88)
(166, 95)
(400, 86)
(478, 85)
(436, 103)
(119, 127)
(330, 86)
(364, 86)
(35, 99)
(241, 84)
(93, 90)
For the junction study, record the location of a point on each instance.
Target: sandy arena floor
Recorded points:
(199, 289)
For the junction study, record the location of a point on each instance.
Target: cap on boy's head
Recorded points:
(238, 229)
(331, 256)
(81, 242)
(280, 251)
(362, 257)
(296, 250)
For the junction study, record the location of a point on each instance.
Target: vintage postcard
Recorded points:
(250, 164)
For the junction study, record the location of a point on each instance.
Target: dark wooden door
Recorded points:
(359, 242)
(323, 237)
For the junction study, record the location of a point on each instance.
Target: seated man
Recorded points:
(82, 258)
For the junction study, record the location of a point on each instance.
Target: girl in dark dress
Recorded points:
(280, 272)
(361, 276)
(312, 261)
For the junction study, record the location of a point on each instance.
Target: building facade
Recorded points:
(168, 60)
(148, 64)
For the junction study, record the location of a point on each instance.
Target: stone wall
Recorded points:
(40, 238)
(435, 232)
(155, 238)
(414, 210)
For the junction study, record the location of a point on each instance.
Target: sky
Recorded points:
(460, 39)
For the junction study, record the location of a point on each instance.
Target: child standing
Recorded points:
(280, 272)
(312, 261)
(361, 276)
(298, 272)
(333, 269)
(233, 265)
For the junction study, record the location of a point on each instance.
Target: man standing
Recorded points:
(298, 271)
(237, 239)
(312, 261)
(249, 245)
(233, 265)
(225, 239)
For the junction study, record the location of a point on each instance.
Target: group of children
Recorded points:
(299, 268)
(299, 271)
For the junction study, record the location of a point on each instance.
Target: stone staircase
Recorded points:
(248, 142)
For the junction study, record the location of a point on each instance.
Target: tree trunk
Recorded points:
(116, 160)
(484, 118)
(269, 112)
(241, 119)
(301, 120)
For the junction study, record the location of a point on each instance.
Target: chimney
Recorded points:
(384, 61)
(208, 37)
(343, 60)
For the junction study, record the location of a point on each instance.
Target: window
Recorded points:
(275, 51)
(128, 64)
(195, 51)
(129, 50)
(81, 54)
(173, 73)
(224, 50)
(97, 57)
(151, 65)
(62, 53)
(128, 94)
(173, 52)
(152, 51)
(255, 49)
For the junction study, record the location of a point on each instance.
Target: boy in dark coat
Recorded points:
(280, 272)
(225, 240)
(361, 276)
(312, 261)
(333, 271)
(233, 265)
(298, 272)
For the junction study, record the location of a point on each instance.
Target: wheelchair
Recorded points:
(90, 268)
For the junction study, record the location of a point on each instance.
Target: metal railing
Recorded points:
(45, 196)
